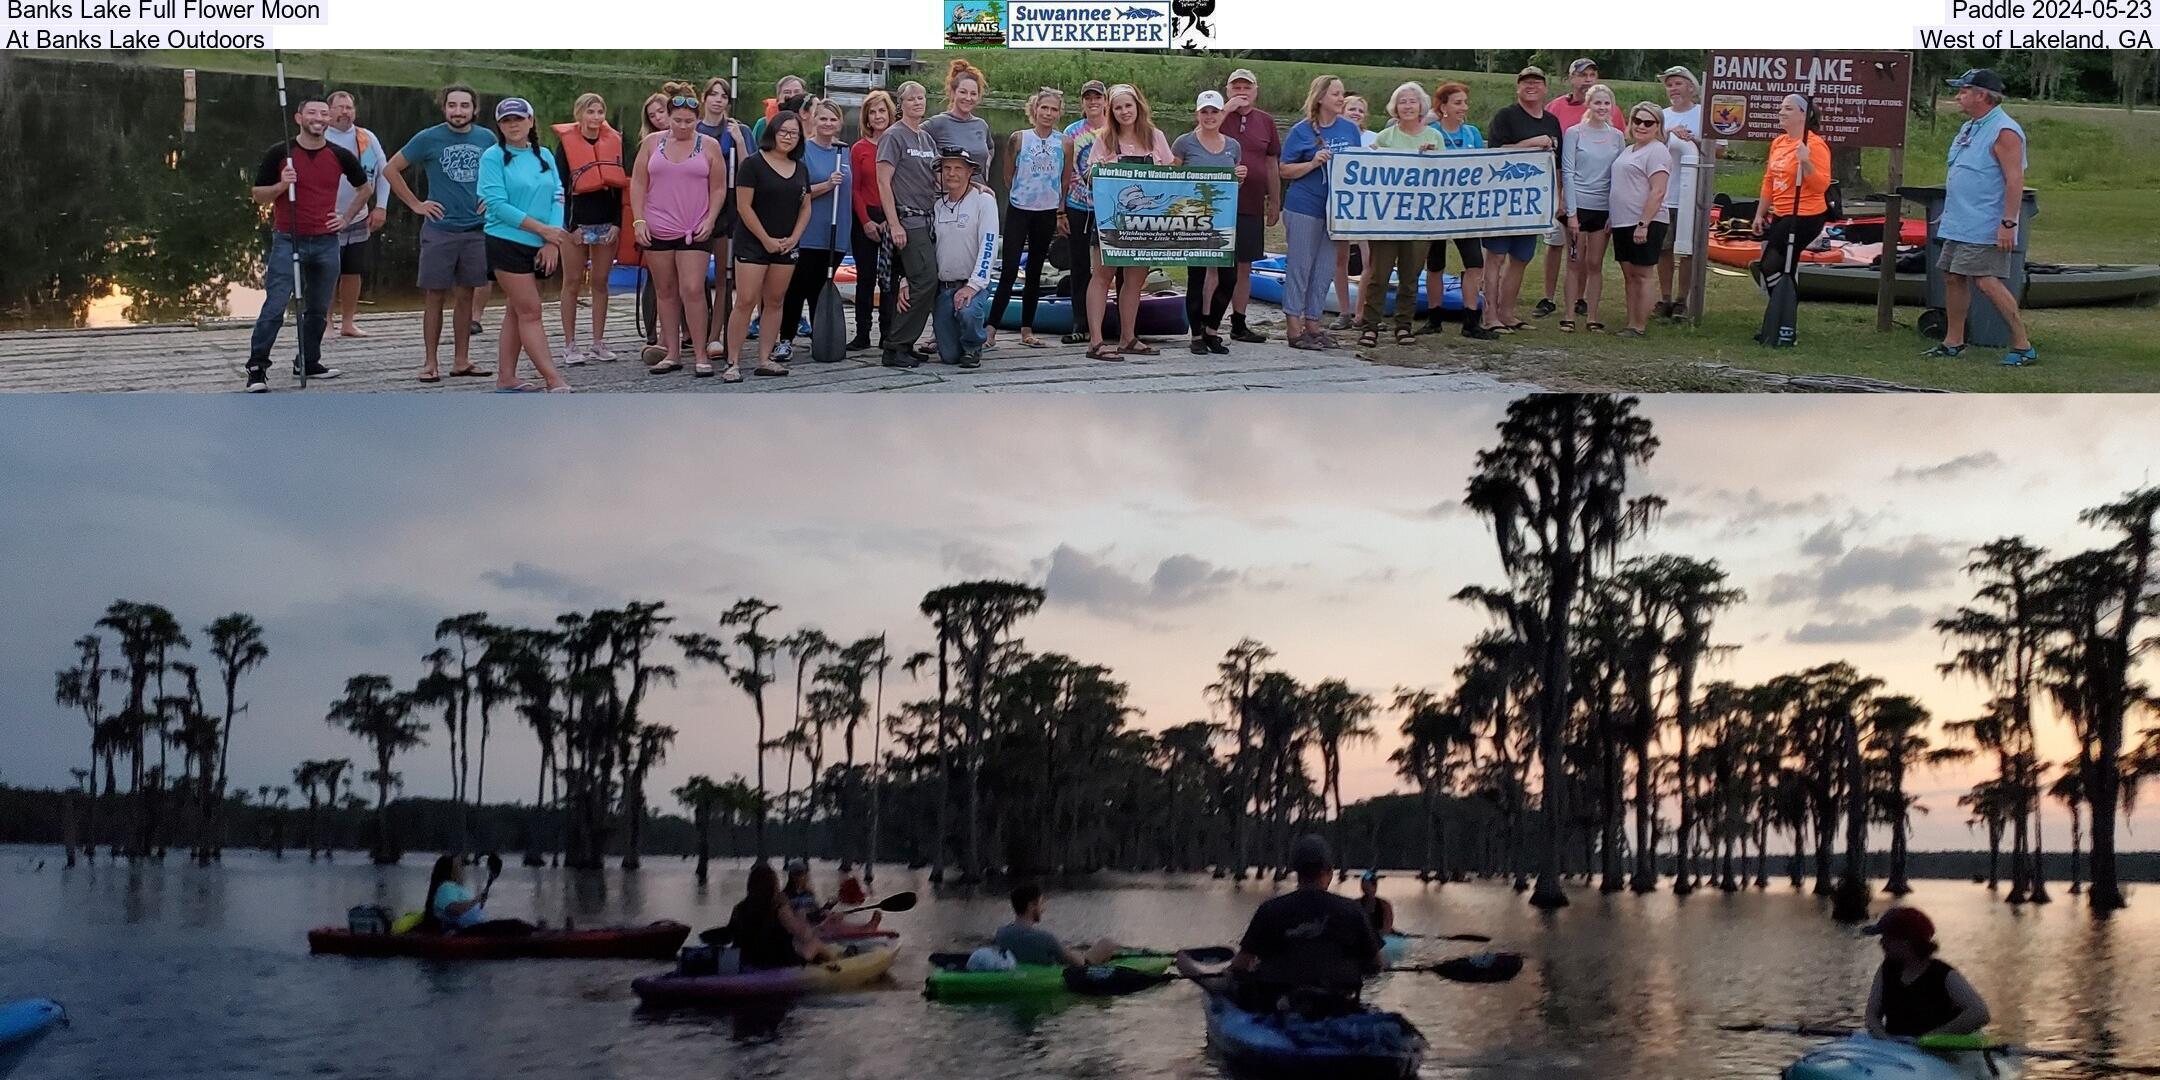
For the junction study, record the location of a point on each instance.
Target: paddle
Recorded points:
(828, 319)
(292, 199)
(1213, 954)
(494, 865)
(1952, 1044)
(1479, 938)
(896, 903)
(1116, 982)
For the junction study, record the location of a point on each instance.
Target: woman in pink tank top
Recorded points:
(675, 197)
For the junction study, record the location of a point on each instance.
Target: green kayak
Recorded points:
(1027, 980)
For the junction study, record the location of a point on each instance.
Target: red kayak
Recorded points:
(655, 942)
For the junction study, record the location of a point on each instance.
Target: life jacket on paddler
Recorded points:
(593, 166)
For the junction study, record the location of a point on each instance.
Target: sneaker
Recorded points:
(2025, 357)
(599, 351)
(476, 328)
(1678, 310)
(1199, 347)
(1074, 337)
(1544, 307)
(1950, 352)
(715, 349)
(858, 343)
(971, 360)
(897, 358)
(1342, 322)
(318, 371)
(1478, 333)
(1663, 309)
(783, 351)
(258, 380)
(1244, 333)
(1582, 307)
(572, 356)
(1215, 345)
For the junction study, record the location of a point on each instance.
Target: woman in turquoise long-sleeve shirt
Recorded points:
(523, 197)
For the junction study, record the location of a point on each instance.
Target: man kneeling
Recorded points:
(965, 222)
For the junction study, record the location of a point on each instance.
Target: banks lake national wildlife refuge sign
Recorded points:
(1858, 98)
(1166, 215)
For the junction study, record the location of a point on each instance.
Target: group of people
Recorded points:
(739, 225)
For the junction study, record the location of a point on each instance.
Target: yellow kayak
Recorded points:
(859, 966)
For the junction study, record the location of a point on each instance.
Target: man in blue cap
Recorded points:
(1985, 187)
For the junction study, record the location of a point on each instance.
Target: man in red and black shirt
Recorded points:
(298, 180)
(1259, 203)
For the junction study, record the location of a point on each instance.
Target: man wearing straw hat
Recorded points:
(1683, 136)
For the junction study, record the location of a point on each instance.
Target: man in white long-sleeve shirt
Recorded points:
(966, 224)
(356, 245)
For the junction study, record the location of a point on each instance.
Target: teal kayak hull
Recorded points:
(1864, 1057)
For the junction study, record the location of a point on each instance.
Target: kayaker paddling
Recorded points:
(1028, 943)
(765, 927)
(1308, 949)
(1916, 994)
(454, 909)
(1378, 912)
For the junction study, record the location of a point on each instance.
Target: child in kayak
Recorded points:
(1914, 993)
(765, 927)
(1377, 911)
(1308, 950)
(454, 909)
(851, 891)
(1028, 943)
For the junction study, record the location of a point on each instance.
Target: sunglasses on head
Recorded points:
(682, 102)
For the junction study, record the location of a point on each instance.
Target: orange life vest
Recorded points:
(593, 166)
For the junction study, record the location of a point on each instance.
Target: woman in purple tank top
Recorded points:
(675, 198)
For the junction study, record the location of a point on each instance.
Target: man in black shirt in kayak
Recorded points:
(1307, 947)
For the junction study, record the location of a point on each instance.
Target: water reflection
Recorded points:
(127, 213)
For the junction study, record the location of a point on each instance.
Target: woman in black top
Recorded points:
(764, 930)
(1914, 993)
(772, 202)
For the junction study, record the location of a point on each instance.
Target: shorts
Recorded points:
(451, 259)
(1251, 238)
(1627, 252)
(511, 257)
(1557, 235)
(1974, 260)
(1522, 249)
(1472, 256)
(357, 258)
(602, 235)
(749, 250)
(1672, 236)
(1592, 220)
(679, 243)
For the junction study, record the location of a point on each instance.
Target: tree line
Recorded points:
(1578, 734)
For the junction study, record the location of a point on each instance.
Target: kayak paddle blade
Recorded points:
(897, 902)
(1491, 967)
(1213, 954)
(717, 936)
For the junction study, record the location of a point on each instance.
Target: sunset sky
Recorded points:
(1164, 529)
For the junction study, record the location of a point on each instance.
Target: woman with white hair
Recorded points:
(1399, 260)
(1587, 152)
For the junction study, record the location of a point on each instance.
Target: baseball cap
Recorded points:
(1208, 99)
(1092, 86)
(1532, 72)
(797, 866)
(1581, 65)
(1982, 78)
(1310, 855)
(1904, 923)
(1245, 74)
(516, 106)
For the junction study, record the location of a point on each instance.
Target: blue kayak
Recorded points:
(1267, 287)
(1394, 947)
(22, 1024)
(1364, 1044)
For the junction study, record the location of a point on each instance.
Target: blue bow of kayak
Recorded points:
(22, 1024)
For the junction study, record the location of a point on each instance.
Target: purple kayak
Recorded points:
(863, 964)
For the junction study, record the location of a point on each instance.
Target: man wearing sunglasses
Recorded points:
(1984, 190)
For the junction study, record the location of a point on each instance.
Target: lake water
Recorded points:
(140, 219)
(183, 973)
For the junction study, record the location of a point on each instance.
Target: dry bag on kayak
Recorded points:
(368, 919)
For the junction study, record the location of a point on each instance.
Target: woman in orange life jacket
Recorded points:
(590, 154)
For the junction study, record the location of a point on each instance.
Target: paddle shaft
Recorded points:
(292, 201)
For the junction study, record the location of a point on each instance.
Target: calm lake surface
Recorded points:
(183, 973)
(141, 218)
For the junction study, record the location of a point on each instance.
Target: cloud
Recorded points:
(1439, 511)
(1918, 564)
(1962, 465)
(1827, 542)
(546, 584)
(1738, 513)
(1861, 628)
(1073, 576)
(971, 559)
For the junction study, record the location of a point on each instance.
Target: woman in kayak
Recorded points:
(800, 897)
(1377, 911)
(454, 908)
(766, 930)
(1914, 993)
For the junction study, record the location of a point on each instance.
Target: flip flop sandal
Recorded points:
(1630, 332)
(1104, 351)
(1518, 326)
(1034, 343)
(702, 371)
(1404, 336)
(1368, 339)
(1567, 326)
(731, 375)
(428, 377)
(773, 371)
(1948, 351)
(472, 373)
(664, 367)
(1138, 348)
(1595, 327)
(521, 388)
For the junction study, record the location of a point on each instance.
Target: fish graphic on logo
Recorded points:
(1516, 170)
(1134, 200)
(1728, 114)
(1136, 13)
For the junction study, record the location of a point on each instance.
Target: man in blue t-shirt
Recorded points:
(1984, 194)
(453, 248)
